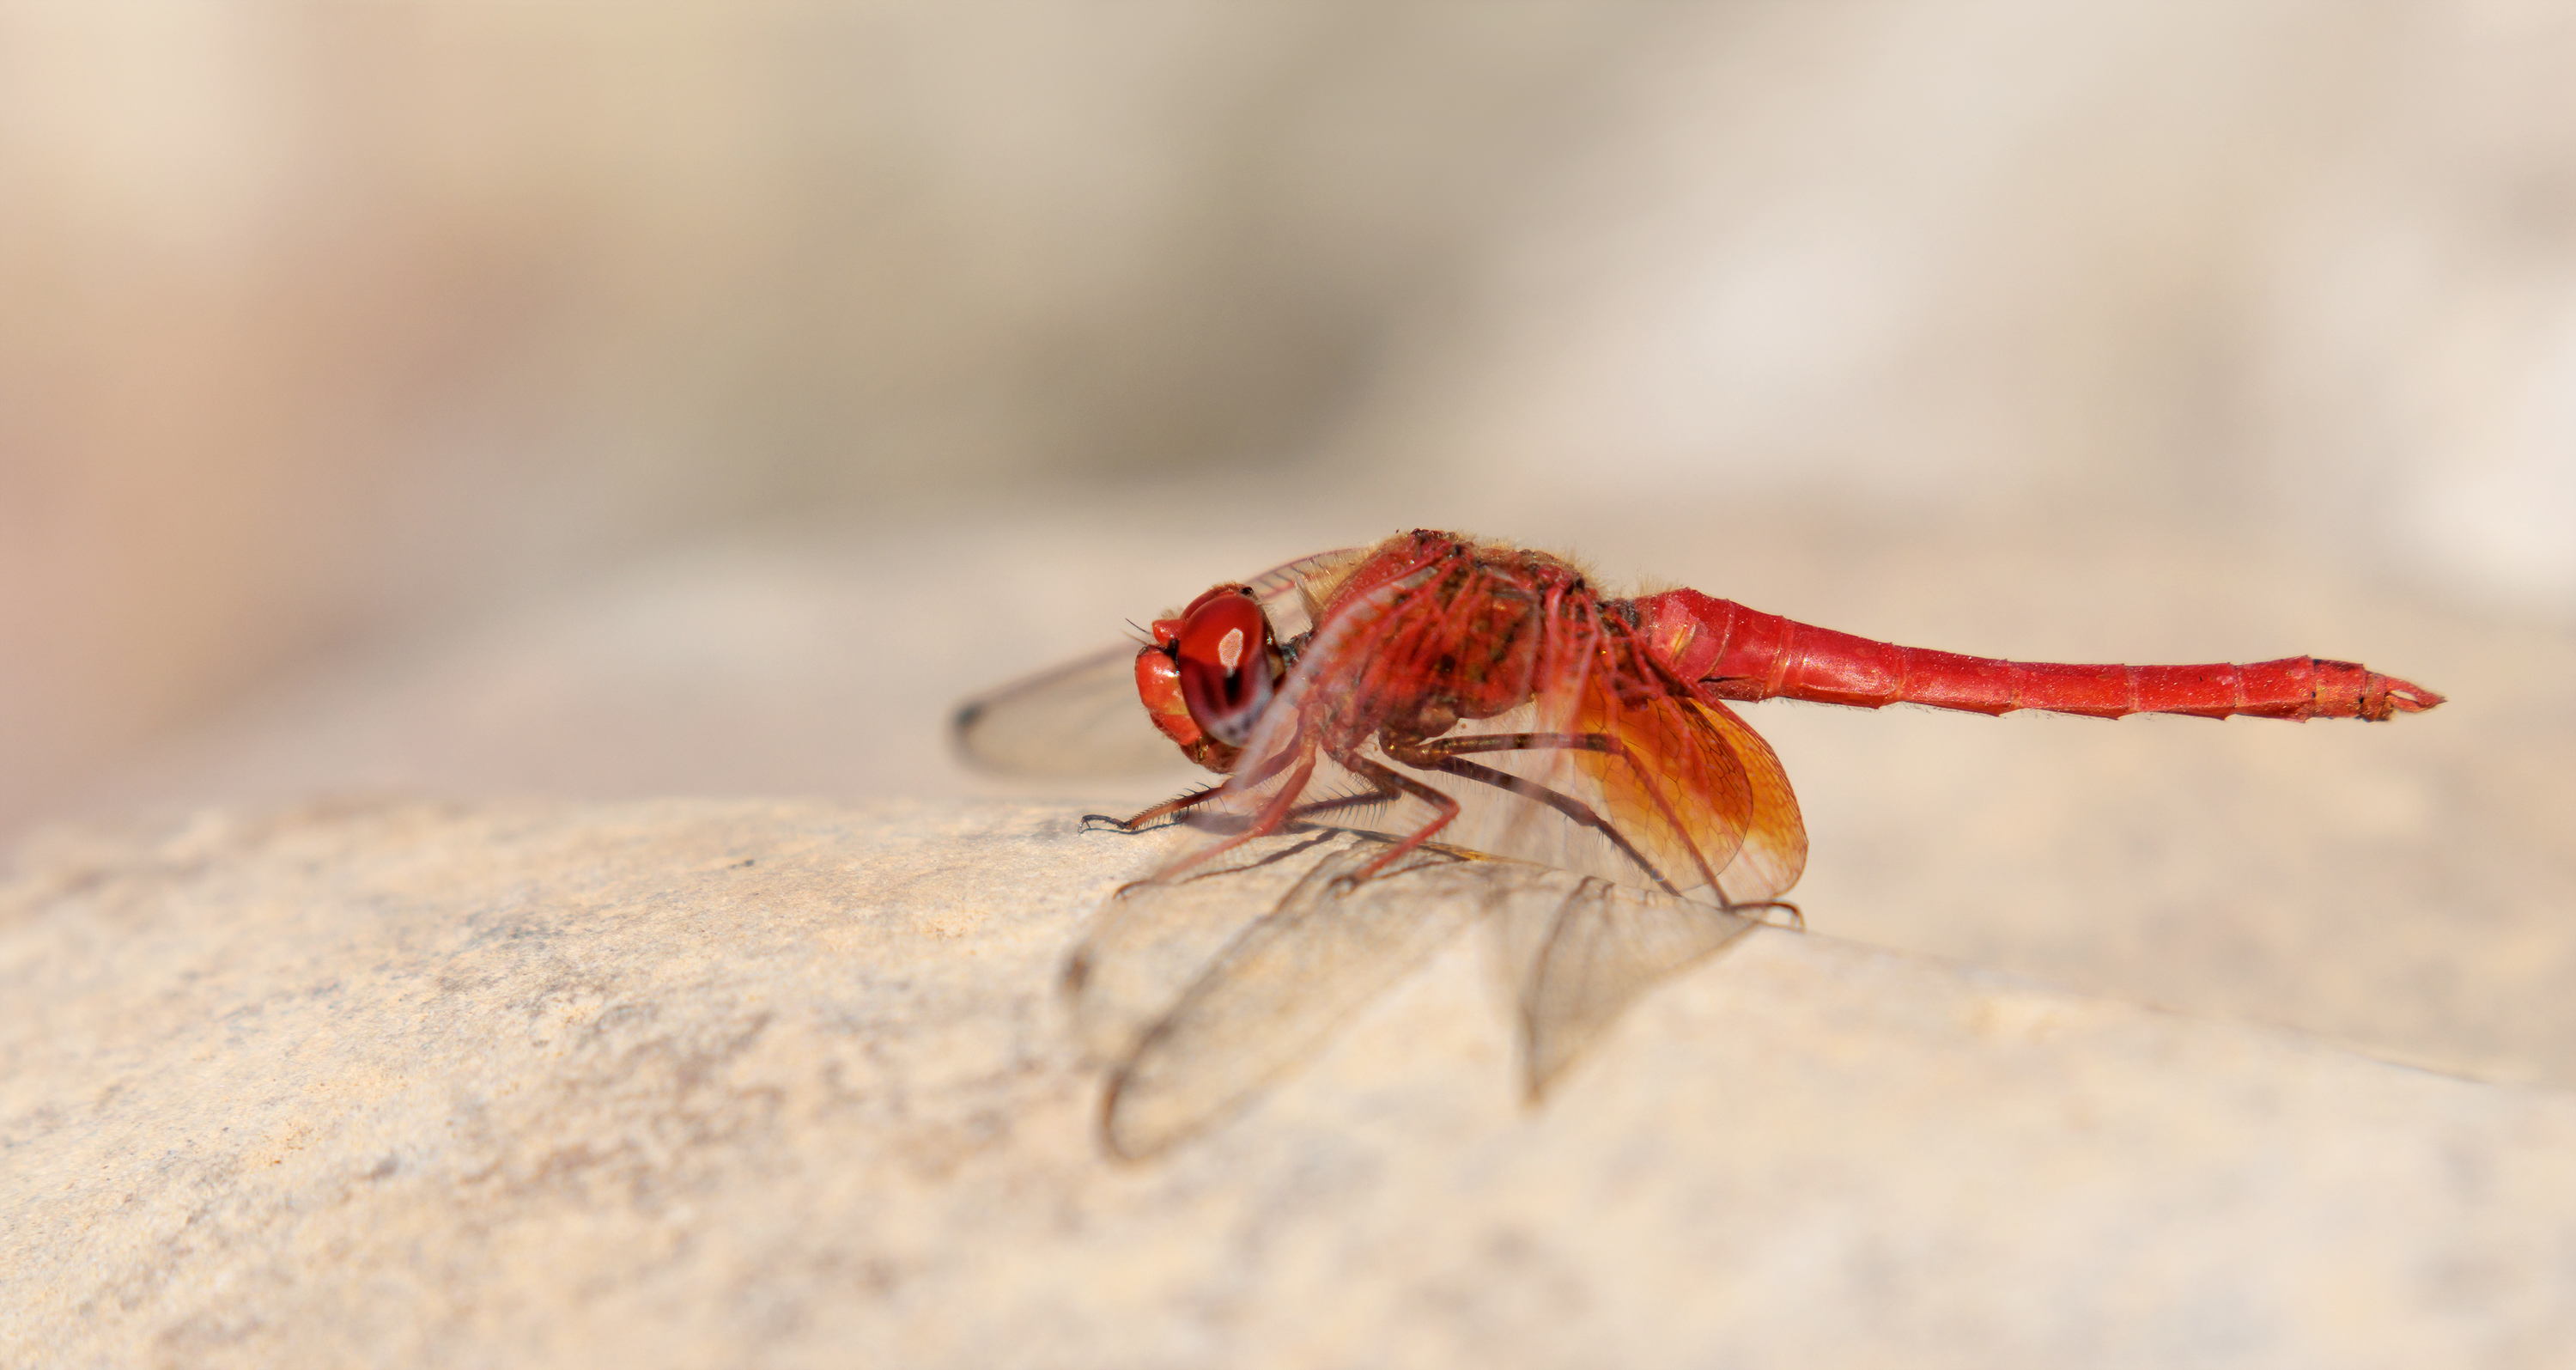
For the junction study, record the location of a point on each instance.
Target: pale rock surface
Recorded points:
(2402, 888)
(687, 1083)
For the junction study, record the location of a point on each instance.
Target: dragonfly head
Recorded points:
(1209, 674)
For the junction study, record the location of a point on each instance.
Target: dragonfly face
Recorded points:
(1210, 673)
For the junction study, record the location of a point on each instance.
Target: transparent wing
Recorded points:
(1294, 969)
(1289, 594)
(1578, 965)
(1153, 938)
(1081, 719)
(1202, 991)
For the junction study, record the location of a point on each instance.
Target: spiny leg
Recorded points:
(1389, 779)
(1450, 747)
(1432, 757)
(1155, 814)
(1385, 787)
(1273, 813)
(1588, 742)
(1194, 798)
(1380, 791)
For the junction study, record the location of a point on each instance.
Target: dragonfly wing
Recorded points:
(1697, 790)
(1580, 964)
(1280, 988)
(1084, 718)
(1079, 720)
(1289, 594)
(1674, 785)
(1153, 938)
(1669, 789)
(1773, 853)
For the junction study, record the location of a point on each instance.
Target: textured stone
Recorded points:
(696, 1083)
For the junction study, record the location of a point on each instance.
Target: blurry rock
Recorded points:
(685, 1083)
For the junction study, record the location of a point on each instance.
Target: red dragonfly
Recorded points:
(1388, 715)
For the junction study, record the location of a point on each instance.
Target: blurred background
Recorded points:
(599, 401)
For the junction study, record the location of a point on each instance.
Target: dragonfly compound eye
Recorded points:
(1229, 666)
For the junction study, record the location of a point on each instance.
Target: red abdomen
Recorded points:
(1739, 653)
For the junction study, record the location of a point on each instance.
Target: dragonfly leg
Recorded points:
(1194, 798)
(1155, 814)
(1379, 792)
(1432, 756)
(1390, 781)
(1589, 742)
(1273, 815)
